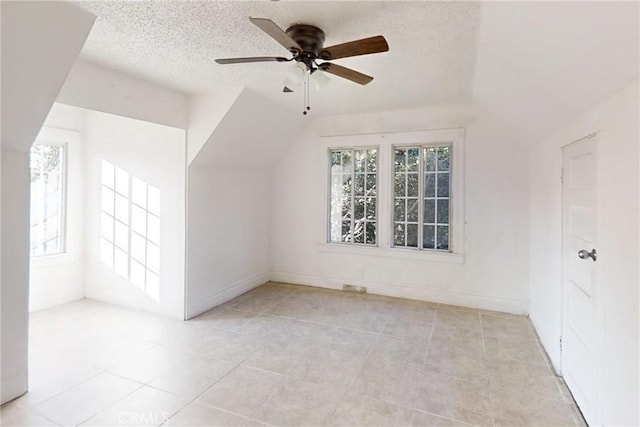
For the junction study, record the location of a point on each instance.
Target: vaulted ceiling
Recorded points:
(530, 64)
(431, 57)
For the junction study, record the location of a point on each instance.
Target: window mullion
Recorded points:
(353, 192)
(420, 197)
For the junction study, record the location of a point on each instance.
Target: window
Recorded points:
(353, 196)
(131, 228)
(48, 168)
(421, 197)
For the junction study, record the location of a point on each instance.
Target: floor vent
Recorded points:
(354, 288)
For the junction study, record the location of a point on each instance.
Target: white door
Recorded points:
(579, 287)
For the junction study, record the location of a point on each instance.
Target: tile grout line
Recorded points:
(364, 361)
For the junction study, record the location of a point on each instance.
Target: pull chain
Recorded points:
(306, 96)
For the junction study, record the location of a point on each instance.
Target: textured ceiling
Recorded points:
(174, 43)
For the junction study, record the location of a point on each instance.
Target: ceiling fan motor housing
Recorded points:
(310, 39)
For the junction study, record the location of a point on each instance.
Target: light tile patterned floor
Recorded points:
(285, 355)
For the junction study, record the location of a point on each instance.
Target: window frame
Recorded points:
(62, 212)
(421, 196)
(377, 196)
(385, 143)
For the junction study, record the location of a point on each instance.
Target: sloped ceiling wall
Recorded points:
(253, 134)
(541, 64)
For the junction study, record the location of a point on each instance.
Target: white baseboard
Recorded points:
(224, 295)
(512, 306)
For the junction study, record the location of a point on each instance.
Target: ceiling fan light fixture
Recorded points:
(319, 79)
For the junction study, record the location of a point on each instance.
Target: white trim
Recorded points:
(226, 294)
(385, 143)
(63, 138)
(383, 252)
(505, 305)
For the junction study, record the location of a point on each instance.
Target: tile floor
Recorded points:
(284, 355)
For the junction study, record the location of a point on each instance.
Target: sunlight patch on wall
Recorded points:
(130, 228)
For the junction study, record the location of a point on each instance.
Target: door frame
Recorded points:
(596, 291)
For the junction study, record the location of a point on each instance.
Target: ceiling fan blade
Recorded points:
(375, 44)
(251, 59)
(269, 27)
(346, 73)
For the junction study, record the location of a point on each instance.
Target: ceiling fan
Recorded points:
(304, 42)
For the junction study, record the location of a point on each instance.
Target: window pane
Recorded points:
(358, 231)
(430, 159)
(46, 199)
(413, 159)
(52, 182)
(412, 235)
(358, 185)
(443, 211)
(412, 184)
(360, 160)
(429, 211)
(399, 210)
(371, 233)
(346, 231)
(153, 229)
(139, 192)
(400, 185)
(398, 235)
(429, 237)
(430, 185)
(351, 188)
(400, 160)
(412, 210)
(370, 209)
(139, 220)
(442, 237)
(335, 159)
(153, 200)
(347, 212)
(336, 209)
(371, 184)
(359, 206)
(347, 162)
(108, 203)
(443, 158)
(443, 185)
(372, 161)
(108, 175)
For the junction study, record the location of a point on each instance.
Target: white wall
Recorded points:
(492, 271)
(34, 66)
(99, 88)
(228, 234)
(535, 81)
(617, 122)
(229, 192)
(155, 154)
(59, 279)
(206, 111)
